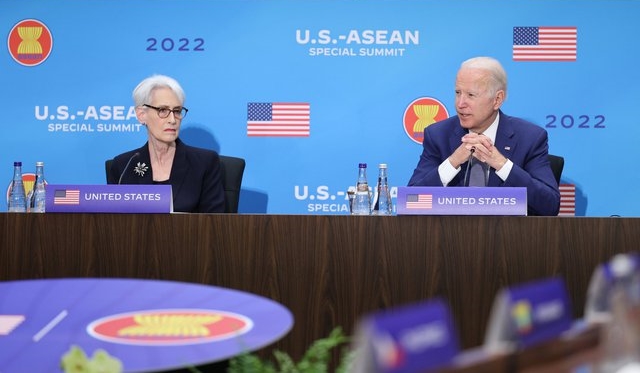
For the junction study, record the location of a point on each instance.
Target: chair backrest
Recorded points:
(232, 173)
(107, 168)
(557, 165)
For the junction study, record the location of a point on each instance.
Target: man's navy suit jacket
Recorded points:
(524, 143)
(196, 176)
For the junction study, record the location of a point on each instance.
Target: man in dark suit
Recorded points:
(194, 174)
(513, 151)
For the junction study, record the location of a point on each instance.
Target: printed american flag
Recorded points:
(278, 119)
(419, 201)
(9, 322)
(567, 200)
(545, 43)
(66, 197)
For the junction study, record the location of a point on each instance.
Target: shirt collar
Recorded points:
(492, 130)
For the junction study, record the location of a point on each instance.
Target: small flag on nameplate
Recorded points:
(545, 43)
(278, 119)
(419, 201)
(66, 197)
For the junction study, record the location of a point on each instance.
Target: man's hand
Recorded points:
(483, 150)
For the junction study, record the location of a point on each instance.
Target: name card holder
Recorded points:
(406, 339)
(528, 314)
(622, 270)
(110, 198)
(462, 201)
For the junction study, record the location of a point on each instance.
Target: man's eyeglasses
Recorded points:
(163, 112)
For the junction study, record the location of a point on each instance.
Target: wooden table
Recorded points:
(328, 270)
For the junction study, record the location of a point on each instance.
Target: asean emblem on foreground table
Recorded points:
(149, 325)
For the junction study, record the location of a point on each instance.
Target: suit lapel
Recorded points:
(143, 161)
(505, 143)
(505, 137)
(454, 140)
(180, 167)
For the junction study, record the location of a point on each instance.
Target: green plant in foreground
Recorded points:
(315, 360)
(76, 361)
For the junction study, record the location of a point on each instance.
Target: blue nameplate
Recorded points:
(412, 338)
(109, 198)
(531, 313)
(462, 201)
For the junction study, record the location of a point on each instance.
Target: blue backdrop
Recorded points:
(362, 67)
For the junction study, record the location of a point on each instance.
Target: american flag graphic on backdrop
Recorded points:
(567, 200)
(278, 119)
(545, 43)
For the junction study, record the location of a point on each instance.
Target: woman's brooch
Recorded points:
(141, 168)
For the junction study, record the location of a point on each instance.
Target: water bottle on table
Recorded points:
(383, 205)
(361, 204)
(37, 196)
(17, 199)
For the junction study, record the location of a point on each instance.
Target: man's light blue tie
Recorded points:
(478, 174)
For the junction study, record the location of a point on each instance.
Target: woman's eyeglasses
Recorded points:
(163, 112)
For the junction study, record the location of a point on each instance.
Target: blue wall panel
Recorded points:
(229, 53)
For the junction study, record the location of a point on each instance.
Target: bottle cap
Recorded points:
(362, 165)
(17, 163)
(39, 164)
(382, 165)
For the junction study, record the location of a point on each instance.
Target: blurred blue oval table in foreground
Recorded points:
(149, 325)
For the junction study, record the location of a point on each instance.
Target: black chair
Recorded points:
(232, 173)
(557, 165)
(107, 168)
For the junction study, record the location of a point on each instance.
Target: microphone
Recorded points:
(466, 172)
(127, 166)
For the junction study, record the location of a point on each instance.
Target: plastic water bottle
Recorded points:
(362, 200)
(17, 200)
(383, 205)
(37, 195)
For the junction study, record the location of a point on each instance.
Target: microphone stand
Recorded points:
(465, 182)
(127, 166)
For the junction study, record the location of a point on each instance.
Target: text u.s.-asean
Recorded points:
(104, 112)
(360, 37)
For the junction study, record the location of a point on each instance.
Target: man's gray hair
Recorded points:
(497, 74)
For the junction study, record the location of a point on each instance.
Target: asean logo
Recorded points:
(420, 114)
(169, 327)
(30, 42)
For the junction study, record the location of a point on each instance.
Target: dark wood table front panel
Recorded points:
(328, 270)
